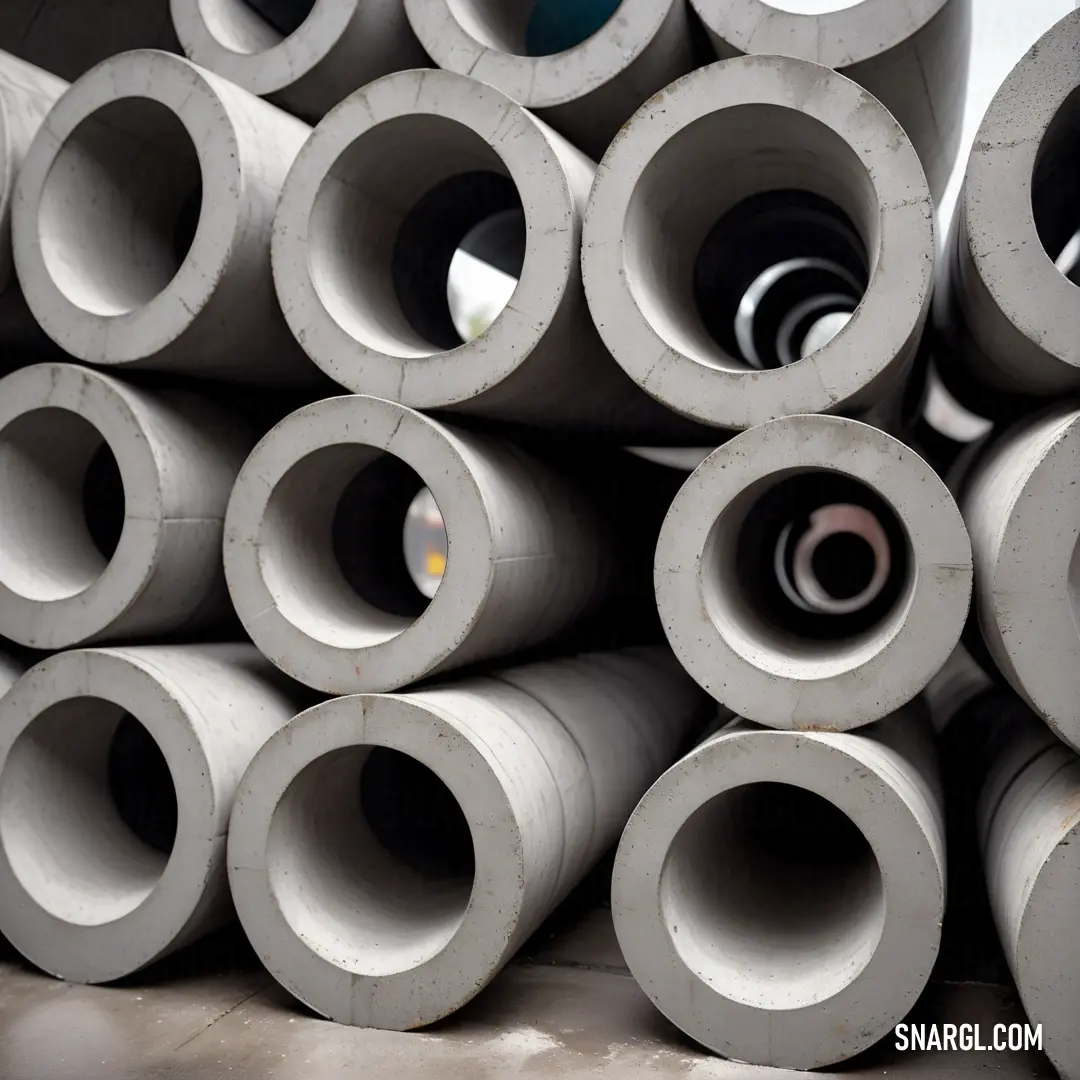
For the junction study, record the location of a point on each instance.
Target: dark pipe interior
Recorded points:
(844, 565)
(1056, 182)
(285, 16)
(432, 233)
(141, 785)
(103, 501)
(366, 536)
(557, 25)
(415, 817)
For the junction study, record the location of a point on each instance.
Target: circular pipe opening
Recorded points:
(773, 896)
(764, 264)
(371, 860)
(813, 556)
(119, 206)
(536, 28)
(416, 237)
(1053, 186)
(350, 546)
(63, 505)
(247, 27)
(87, 811)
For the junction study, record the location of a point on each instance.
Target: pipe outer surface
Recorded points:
(26, 95)
(68, 37)
(340, 46)
(82, 896)
(761, 957)
(586, 91)
(756, 125)
(912, 57)
(1029, 820)
(178, 279)
(1012, 313)
(1023, 513)
(780, 673)
(177, 455)
(524, 553)
(545, 763)
(368, 171)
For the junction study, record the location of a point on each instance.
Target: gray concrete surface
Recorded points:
(571, 1011)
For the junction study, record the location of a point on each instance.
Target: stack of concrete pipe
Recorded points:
(229, 692)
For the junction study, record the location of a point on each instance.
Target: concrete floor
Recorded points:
(568, 1008)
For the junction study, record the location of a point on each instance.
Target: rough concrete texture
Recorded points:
(543, 765)
(26, 95)
(142, 218)
(716, 584)
(82, 894)
(797, 958)
(140, 554)
(1022, 509)
(1008, 309)
(68, 37)
(755, 125)
(1029, 817)
(362, 177)
(913, 57)
(587, 91)
(571, 1010)
(524, 559)
(339, 46)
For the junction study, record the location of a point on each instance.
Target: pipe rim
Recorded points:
(538, 82)
(105, 951)
(449, 747)
(866, 782)
(106, 405)
(873, 676)
(198, 101)
(427, 377)
(998, 238)
(882, 332)
(411, 649)
(1028, 576)
(264, 71)
(828, 38)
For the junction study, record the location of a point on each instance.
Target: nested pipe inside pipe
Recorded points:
(1010, 307)
(1029, 822)
(426, 251)
(911, 57)
(349, 579)
(778, 895)
(112, 500)
(117, 774)
(389, 854)
(813, 567)
(797, 279)
(583, 66)
(304, 55)
(142, 217)
(1023, 512)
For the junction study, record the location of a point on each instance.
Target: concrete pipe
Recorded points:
(68, 37)
(118, 769)
(142, 217)
(798, 279)
(389, 854)
(1024, 518)
(1011, 306)
(583, 65)
(10, 670)
(26, 95)
(304, 56)
(1029, 818)
(427, 251)
(112, 502)
(912, 57)
(813, 573)
(779, 895)
(317, 540)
